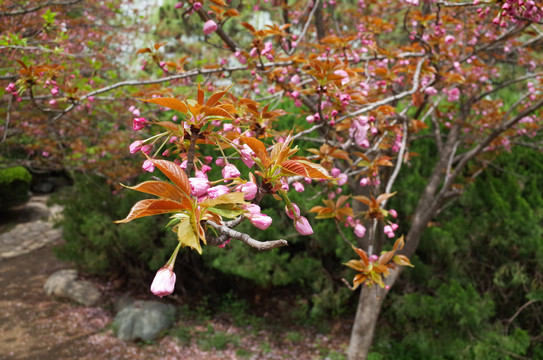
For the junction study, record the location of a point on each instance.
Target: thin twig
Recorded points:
(306, 26)
(259, 245)
(7, 120)
(39, 7)
(399, 162)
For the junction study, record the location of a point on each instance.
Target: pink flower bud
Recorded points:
(374, 258)
(135, 146)
(208, 159)
(179, 5)
(359, 230)
(198, 186)
(388, 231)
(197, 5)
(220, 162)
(249, 189)
(364, 181)
(230, 171)
(216, 191)
(393, 213)
(290, 213)
(209, 27)
(164, 281)
(252, 208)
(335, 172)
(148, 166)
(261, 221)
(298, 186)
(139, 123)
(303, 226)
(10, 87)
(146, 149)
(342, 179)
(246, 155)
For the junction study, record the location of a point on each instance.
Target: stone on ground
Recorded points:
(64, 284)
(143, 320)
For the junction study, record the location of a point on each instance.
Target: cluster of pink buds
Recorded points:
(516, 10)
(255, 216)
(301, 223)
(12, 89)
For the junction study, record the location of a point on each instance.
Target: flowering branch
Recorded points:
(259, 245)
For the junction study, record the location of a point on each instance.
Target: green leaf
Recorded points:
(187, 236)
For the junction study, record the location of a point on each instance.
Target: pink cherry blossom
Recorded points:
(164, 281)
(359, 230)
(230, 171)
(216, 191)
(249, 189)
(135, 146)
(139, 123)
(246, 155)
(209, 27)
(291, 214)
(198, 186)
(148, 166)
(454, 95)
(298, 186)
(261, 221)
(10, 87)
(365, 181)
(146, 149)
(303, 226)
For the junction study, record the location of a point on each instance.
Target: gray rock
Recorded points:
(123, 301)
(143, 320)
(64, 284)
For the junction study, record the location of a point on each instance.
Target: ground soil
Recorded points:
(36, 327)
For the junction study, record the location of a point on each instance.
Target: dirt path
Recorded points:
(36, 327)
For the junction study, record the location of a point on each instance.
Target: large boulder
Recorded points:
(143, 320)
(64, 284)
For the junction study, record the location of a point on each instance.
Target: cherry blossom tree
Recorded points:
(370, 79)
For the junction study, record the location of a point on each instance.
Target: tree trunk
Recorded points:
(367, 313)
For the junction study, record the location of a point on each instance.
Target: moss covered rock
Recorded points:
(14, 186)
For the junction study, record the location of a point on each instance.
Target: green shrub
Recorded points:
(14, 186)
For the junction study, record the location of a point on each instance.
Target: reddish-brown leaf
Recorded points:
(231, 12)
(259, 148)
(174, 173)
(217, 111)
(150, 207)
(384, 197)
(248, 27)
(362, 255)
(170, 103)
(213, 99)
(200, 95)
(402, 260)
(294, 167)
(143, 51)
(362, 199)
(164, 190)
(356, 265)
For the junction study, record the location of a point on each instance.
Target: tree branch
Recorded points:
(39, 7)
(259, 245)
